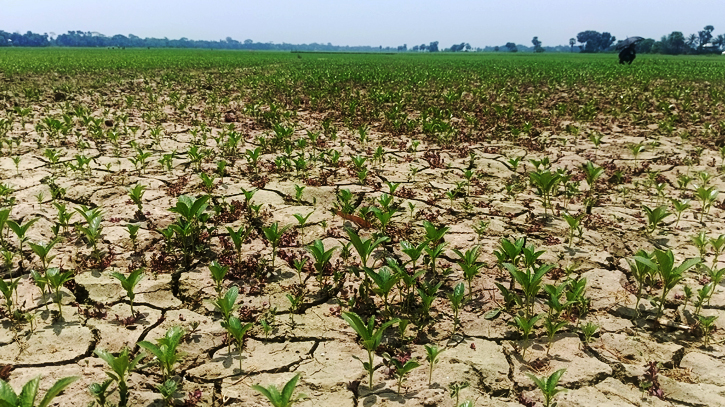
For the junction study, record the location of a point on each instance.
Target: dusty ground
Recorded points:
(314, 340)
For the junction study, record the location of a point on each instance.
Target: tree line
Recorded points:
(675, 43)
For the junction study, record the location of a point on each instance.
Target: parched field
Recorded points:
(249, 212)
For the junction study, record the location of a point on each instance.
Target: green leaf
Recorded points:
(58, 387)
(493, 314)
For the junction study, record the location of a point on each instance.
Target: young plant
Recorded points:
(655, 216)
(592, 173)
(530, 281)
(129, 284)
(669, 274)
(133, 229)
(706, 323)
(239, 236)
(370, 337)
(237, 331)
(365, 247)
(42, 250)
(92, 232)
(164, 351)
(167, 390)
(545, 183)
(218, 272)
(589, 329)
(680, 206)
(274, 234)
(574, 223)
(7, 290)
(457, 298)
(56, 279)
(136, 195)
(552, 326)
(706, 196)
(455, 389)
(120, 366)
(385, 280)
(283, 399)
(470, 265)
(401, 369)
(432, 353)
(20, 230)
(428, 293)
(27, 396)
(227, 304)
(642, 267)
(100, 392)
(547, 385)
(525, 325)
(322, 257)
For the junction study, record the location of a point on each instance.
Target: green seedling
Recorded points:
(188, 227)
(132, 229)
(365, 247)
(369, 336)
(136, 195)
(455, 389)
(409, 280)
(592, 174)
(470, 265)
(636, 150)
(525, 325)
(167, 390)
(164, 351)
(574, 223)
(239, 236)
(433, 253)
(92, 231)
(530, 281)
(129, 284)
(8, 397)
(296, 302)
(547, 385)
(428, 293)
(432, 353)
(545, 183)
(383, 217)
(434, 234)
(589, 329)
(552, 326)
(298, 192)
(669, 274)
(4, 215)
(322, 257)
(63, 216)
(20, 230)
(274, 234)
(401, 369)
(7, 290)
(706, 196)
(718, 244)
(207, 181)
(716, 276)
(302, 219)
(457, 298)
(412, 251)
(299, 265)
(227, 304)
(703, 294)
(218, 272)
(237, 331)
(509, 251)
(120, 366)
(41, 281)
(100, 392)
(56, 279)
(283, 399)
(655, 216)
(700, 241)
(642, 267)
(384, 280)
(680, 206)
(706, 324)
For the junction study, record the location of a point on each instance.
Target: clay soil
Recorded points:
(460, 138)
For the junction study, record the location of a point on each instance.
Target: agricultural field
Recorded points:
(178, 226)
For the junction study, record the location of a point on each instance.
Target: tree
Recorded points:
(705, 35)
(468, 47)
(572, 41)
(433, 47)
(512, 47)
(595, 41)
(692, 40)
(645, 46)
(673, 44)
(496, 48)
(537, 45)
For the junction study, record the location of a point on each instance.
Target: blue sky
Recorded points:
(372, 22)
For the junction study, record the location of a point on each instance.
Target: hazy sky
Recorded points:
(371, 22)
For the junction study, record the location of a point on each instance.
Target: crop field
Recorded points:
(180, 226)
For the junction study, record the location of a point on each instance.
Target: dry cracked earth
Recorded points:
(313, 340)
